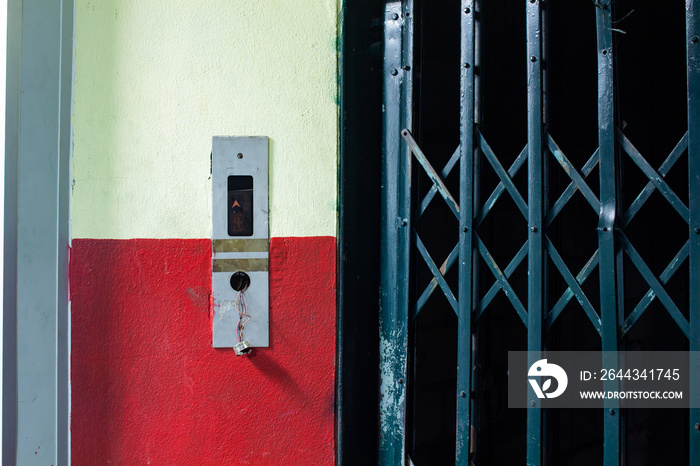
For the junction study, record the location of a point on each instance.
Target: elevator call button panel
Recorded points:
(240, 242)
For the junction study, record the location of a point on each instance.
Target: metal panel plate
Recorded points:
(240, 156)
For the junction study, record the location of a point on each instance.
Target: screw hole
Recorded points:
(240, 281)
(240, 156)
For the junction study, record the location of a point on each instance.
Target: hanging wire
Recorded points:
(243, 316)
(606, 8)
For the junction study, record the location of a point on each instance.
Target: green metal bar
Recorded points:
(474, 416)
(570, 170)
(501, 280)
(655, 178)
(502, 175)
(665, 276)
(434, 176)
(535, 216)
(466, 218)
(692, 18)
(649, 277)
(649, 188)
(606, 226)
(436, 273)
(432, 286)
(571, 190)
(395, 235)
(573, 285)
(568, 294)
(495, 288)
(500, 188)
(433, 189)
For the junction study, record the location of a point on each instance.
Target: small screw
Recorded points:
(533, 59)
(612, 412)
(408, 13)
(240, 156)
(400, 380)
(694, 40)
(605, 228)
(697, 231)
(467, 11)
(395, 16)
(605, 52)
(467, 65)
(465, 229)
(407, 68)
(394, 72)
(463, 394)
(404, 222)
(533, 229)
(697, 426)
(533, 403)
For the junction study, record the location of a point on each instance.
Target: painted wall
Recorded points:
(154, 81)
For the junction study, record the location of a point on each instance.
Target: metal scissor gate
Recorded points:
(540, 240)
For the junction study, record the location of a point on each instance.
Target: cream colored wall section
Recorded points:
(156, 79)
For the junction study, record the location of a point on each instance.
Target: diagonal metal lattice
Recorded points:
(574, 283)
(438, 187)
(402, 242)
(656, 182)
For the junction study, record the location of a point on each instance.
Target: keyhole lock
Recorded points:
(240, 281)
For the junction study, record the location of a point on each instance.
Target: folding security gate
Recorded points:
(587, 229)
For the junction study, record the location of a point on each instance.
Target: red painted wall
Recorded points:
(147, 386)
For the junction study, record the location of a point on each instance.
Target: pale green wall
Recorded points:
(156, 79)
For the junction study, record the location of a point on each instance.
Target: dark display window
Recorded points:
(240, 205)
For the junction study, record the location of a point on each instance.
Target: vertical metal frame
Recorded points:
(692, 12)
(395, 232)
(466, 192)
(37, 181)
(535, 205)
(607, 225)
(612, 324)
